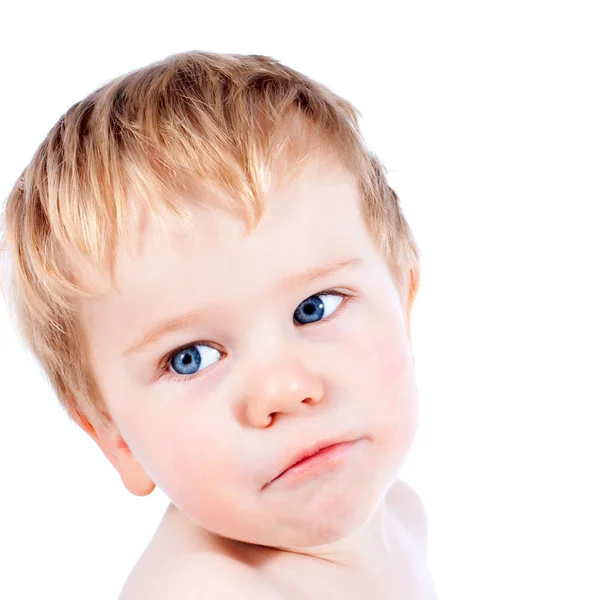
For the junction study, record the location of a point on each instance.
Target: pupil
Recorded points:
(309, 309)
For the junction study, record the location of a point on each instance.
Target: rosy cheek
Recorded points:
(201, 451)
(393, 378)
(396, 369)
(386, 353)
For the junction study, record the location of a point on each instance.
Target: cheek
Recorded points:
(193, 450)
(183, 450)
(199, 472)
(389, 384)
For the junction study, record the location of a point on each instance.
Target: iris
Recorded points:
(187, 361)
(310, 310)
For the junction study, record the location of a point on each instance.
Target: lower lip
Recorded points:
(324, 461)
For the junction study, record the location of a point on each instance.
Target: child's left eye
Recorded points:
(317, 307)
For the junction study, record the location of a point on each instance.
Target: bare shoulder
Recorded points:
(408, 506)
(198, 577)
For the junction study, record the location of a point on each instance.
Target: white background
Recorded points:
(487, 115)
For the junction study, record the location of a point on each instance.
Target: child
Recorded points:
(217, 279)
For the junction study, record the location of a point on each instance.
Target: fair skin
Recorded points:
(263, 366)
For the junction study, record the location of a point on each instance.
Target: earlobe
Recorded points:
(133, 475)
(116, 450)
(135, 478)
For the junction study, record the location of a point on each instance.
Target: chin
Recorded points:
(325, 518)
(330, 526)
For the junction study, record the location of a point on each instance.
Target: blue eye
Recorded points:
(194, 358)
(317, 307)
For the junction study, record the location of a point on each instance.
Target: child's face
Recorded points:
(261, 374)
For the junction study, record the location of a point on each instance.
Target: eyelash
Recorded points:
(165, 363)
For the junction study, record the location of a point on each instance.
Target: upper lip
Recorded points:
(313, 449)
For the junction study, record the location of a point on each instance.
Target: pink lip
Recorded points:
(324, 458)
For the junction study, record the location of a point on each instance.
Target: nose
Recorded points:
(278, 382)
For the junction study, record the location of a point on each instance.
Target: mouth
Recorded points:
(323, 456)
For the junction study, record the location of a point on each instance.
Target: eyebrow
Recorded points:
(182, 321)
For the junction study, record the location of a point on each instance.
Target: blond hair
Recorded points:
(223, 118)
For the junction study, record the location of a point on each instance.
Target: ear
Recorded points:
(413, 280)
(114, 447)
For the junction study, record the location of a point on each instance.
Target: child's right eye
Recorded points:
(192, 359)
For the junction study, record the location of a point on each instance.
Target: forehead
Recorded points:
(317, 213)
